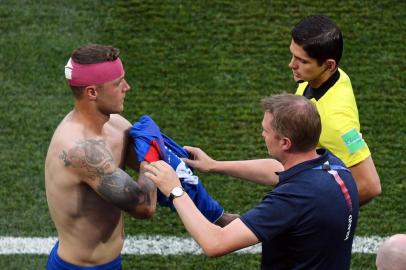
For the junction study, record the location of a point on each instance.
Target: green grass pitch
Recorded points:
(199, 68)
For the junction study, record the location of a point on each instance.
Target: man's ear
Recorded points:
(91, 92)
(331, 65)
(286, 143)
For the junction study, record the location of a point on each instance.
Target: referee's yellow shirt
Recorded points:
(340, 122)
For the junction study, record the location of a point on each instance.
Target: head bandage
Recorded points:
(93, 74)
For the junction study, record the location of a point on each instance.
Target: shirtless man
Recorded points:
(86, 186)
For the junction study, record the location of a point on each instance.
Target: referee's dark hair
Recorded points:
(319, 37)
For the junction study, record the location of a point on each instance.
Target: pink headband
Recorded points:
(93, 74)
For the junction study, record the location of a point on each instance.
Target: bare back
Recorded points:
(90, 229)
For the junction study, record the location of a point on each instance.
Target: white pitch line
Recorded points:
(158, 244)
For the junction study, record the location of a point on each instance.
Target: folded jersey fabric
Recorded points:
(151, 145)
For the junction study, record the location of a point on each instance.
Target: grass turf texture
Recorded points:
(237, 262)
(199, 69)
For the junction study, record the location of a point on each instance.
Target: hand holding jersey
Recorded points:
(152, 145)
(199, 159)
(260, 171)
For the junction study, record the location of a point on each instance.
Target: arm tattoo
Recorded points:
(114, 185)
(123, 191)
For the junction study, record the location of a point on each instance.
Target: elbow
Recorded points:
(272, 180)
(144, 215)
(214, 249)
(375, 190)
(272, 177)
(371, 193)
(145, 212)
(212, 252)
(212, 255)
(149, 213)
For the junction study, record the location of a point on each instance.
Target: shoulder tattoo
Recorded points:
(91, 155)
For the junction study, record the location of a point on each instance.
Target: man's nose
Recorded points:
(127, 87)
(292, 63)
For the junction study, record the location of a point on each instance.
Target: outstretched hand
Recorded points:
(163, 175)
(200, 160)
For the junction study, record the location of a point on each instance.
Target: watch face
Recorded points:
(177, 191)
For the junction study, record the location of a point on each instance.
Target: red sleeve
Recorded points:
(153, 152)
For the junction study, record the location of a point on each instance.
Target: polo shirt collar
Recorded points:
(317, 93)
(309, 164)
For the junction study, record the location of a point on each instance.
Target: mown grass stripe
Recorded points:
(155, 245)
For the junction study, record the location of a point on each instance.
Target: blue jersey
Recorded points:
(308, 220)
(146, 135)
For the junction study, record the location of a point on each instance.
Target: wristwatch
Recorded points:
(176, 192)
